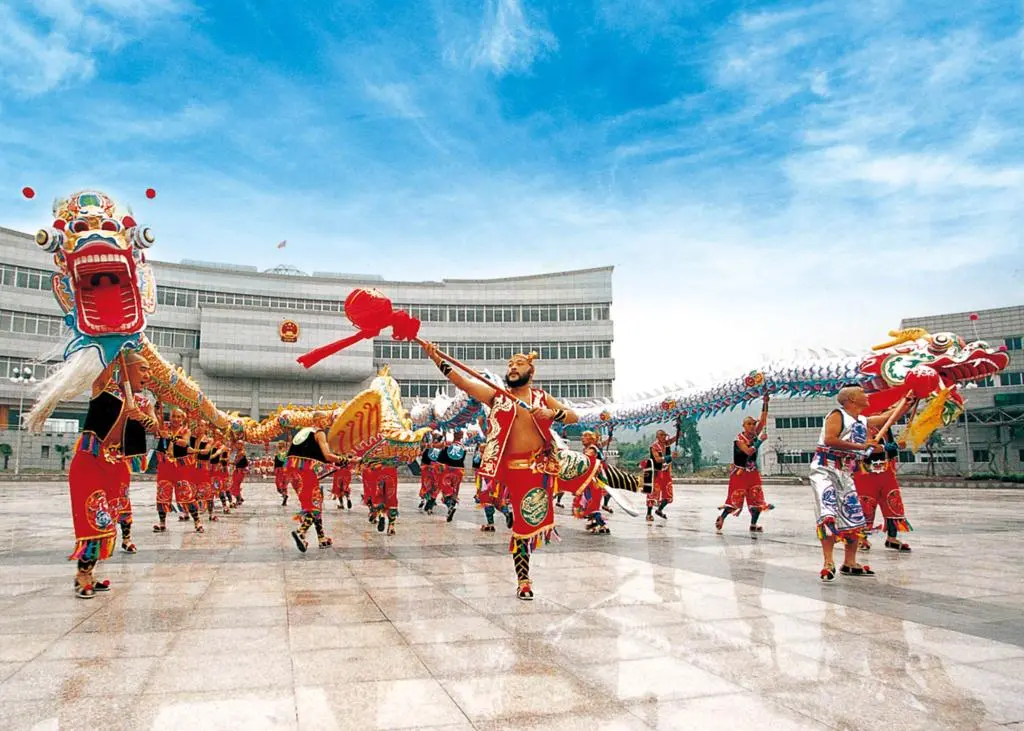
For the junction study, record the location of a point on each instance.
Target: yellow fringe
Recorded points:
(932, 417)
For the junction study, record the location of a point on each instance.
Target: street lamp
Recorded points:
(23, 376)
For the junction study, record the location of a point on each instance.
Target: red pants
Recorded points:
(341, 483)
(90, 479)
(661, 491)
(744, 485)
(307, 487)
(168, 474)
(236, 483)
(451, 481)
(281, 481)
(879, 490)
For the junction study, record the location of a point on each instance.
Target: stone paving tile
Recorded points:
(656, 626)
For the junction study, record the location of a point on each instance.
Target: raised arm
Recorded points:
(763, 421)
(745, 446)
(477, 389)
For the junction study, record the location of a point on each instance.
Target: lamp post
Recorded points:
(23, 377)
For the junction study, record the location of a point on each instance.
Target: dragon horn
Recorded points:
(902, 336)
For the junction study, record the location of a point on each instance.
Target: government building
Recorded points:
(238, 331)
(990, 437)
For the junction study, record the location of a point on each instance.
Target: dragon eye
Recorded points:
(940, 343)
(110, 226)
(78, 226)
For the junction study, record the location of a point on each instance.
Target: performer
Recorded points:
(136, 456)
(386, 498)
(842, 445)
(98, 469)
(518, 452)
(241, 469)
(219, 477)
(341, 485)
(877, 487)
(434, 470)
(308, 457)
(658, 473)
(280, 472)
(744, 477)
(452, 468)
(202, 481)
(172, 473)
(587, 503)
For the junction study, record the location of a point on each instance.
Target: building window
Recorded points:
(906, 456)
(987, 382)
(795, 457)
(44, 451)
(1020, 455)
(980, 455)
(425, 389)
(1011, 379)
(1014, 343)
(29, 323)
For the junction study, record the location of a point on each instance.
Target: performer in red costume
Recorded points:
(744, 477)
(385, 498)
(308, 458)
(657, 470)
(341, 486)
(172, 479)
(587, 503)
(490, 494)
(878, 488)
(136, 455)
(518, 452)
(98, 469)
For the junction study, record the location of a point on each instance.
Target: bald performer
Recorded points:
(842, 445)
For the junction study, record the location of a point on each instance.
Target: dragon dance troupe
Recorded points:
(522, 465)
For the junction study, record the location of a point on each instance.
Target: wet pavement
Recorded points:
(663, 625)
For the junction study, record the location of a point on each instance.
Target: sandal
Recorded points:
(719, 522)
(828, 573)
(856, 570)
(864, 545)
(897, 546)
(525, 591)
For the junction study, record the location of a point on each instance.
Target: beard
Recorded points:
(517, 382)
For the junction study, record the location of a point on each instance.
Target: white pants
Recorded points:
(835, 497)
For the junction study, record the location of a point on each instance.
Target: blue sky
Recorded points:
(762, 175)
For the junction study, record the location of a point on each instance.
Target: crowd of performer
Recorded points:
(515, 472)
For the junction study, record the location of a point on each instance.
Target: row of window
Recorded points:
(29, 323)
(24, 277)
(1016, 343)
(173, 338)
(799, 422)
(389, 350)
(29, 278)
(9, 363)
(1012, 378)
(190, 298)
(427, 389)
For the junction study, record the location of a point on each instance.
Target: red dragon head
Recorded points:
(917, 362)
(103, 280)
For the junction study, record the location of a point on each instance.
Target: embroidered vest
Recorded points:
(499, 426)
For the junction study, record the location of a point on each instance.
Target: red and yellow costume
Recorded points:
(744, 479)
(238, 476)
(341, 484)
(657, 473)
(878, 488)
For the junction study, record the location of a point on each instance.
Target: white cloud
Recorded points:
(509, 41)
(49, 44)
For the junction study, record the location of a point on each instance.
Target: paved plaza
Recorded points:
(666, 626)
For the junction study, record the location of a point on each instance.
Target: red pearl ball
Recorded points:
(150, 193)
(28, 192)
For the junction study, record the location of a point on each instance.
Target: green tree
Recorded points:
(6, 452)
(62, 450)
